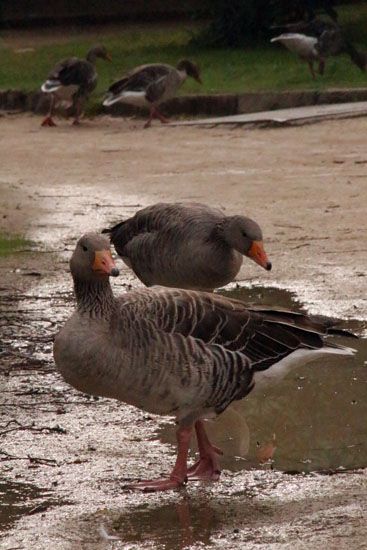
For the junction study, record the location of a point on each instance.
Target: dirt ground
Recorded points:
(307, 188)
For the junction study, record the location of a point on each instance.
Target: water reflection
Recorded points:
(317, 413)
(186, 520)
(173, 526)
(16, 499)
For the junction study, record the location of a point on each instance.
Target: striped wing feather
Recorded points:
(140, 78)
(212, 345)
(264, 337)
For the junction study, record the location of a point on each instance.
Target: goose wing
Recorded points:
(130, 234)
(72, 72)
(194, 353)
(204, 349)
(140, 78)
(263, 335)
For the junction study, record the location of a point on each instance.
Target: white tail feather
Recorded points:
(50, 86)
(278, 371)
(133, 98)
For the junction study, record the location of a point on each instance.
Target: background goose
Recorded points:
(306, 47)
(174, 352)
(187, 245)
(73, 80)
(316, 40)
(150, 85)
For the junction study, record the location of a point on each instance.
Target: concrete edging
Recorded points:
(194, 105)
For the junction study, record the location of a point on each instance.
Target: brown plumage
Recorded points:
(187, 245)
(149, 85)
(174, 352)
(73, 80)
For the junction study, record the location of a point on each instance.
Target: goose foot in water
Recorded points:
(48, 121)
(178, 476)
(207, 468)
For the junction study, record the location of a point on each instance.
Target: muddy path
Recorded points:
(65, 457)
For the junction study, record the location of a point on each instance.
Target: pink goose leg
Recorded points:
(154, 113)
(178, 476)
(78, 112)
(48, 121)
(208, 466)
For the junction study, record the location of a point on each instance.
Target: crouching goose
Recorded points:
(73, 80)
(175, 352)
(187, 245)
(150, 85)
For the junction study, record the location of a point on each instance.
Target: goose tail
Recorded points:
(110, 99)
(111, 231)
(50, 86)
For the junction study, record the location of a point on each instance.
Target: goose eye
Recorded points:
(244, 234)
(84, 248)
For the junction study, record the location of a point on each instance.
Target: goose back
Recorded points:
(177, 245)
(77, 74)
(151, 83)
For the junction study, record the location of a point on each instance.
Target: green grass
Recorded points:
(265, 68)
(11, 243)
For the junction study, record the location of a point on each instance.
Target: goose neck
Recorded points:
(94, 297)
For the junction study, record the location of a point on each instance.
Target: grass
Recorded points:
(223, 70)
(10, 244)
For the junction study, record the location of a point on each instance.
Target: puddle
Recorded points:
(317, 413)
(171, 526)
(181, 522)
(17, 499)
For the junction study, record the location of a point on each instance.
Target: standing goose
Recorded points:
(316, 40)
(306, 47)
(175, 352)
(150, 85)
(187, 245)
(73, 80)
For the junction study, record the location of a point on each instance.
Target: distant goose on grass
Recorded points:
(150, 85)
(306, 47)
(332, 39)
(187, 245)
(317, 40)
(73, 80)
(178, 353)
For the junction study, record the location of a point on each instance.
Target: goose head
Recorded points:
(98, 51)
(245, 236)
(92, 259)
(190, 68)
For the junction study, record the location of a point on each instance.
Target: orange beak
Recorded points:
(104, 264)
(258, 254)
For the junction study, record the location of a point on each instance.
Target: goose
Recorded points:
(187, 245)
(316, 40)
(149, 85)
(176, 352)
(72, 80)
(306, 47)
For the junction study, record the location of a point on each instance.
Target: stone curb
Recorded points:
(194, 105)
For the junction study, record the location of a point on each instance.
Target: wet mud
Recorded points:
(294, 457)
